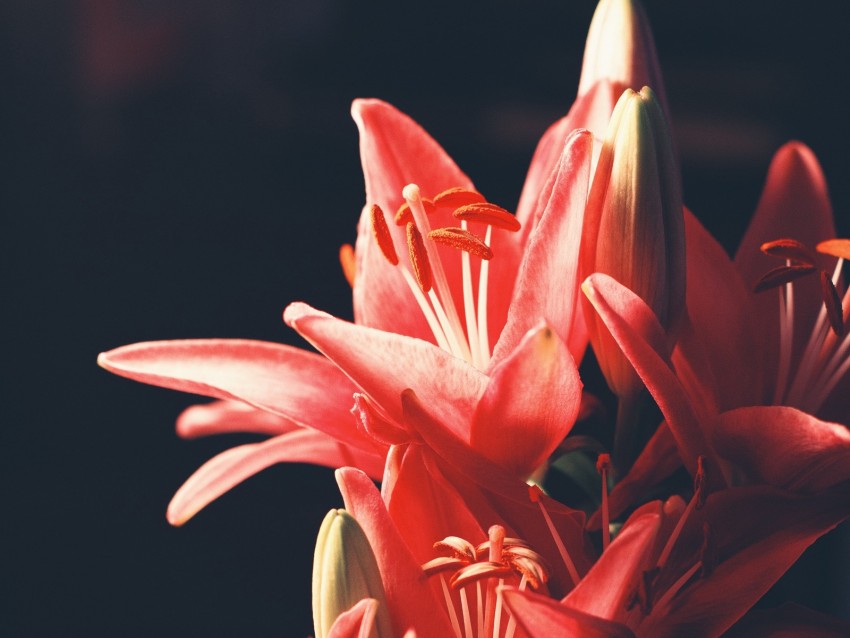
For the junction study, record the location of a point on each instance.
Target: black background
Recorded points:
(186, 168)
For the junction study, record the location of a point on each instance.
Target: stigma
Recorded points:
(458, 322)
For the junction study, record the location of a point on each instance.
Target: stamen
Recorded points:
(483, 274)
(452, 326)
(603, 464)
(478, 359)
(789, 249)
(463, 240)
(348, 261)
(382, 234)
(832, 302)
(457, 197)
(708, 552)
(419, 257)
(487, 213)
(451, 607)
(782, 275)
(467, 620)
(675, 587)
(534, 495)
(696, 502)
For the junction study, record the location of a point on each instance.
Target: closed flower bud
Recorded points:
(634, 226)
(344, 573)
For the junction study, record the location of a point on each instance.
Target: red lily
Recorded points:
(801, 362)
(396, 152)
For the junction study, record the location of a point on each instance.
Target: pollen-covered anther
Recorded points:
(404, 215)
(832, 301)
(462, 240)
(382, 234)
(835, 248)
(479, 571)
(491, 214)
(458, 546)
(789, 249)
(443, 564)
(782, 275)
(419, 257)
(457, 197)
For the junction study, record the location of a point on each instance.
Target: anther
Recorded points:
(457, 197)
(832, 301)
(835, 248)
(348, 261)
(462, 240)
(419, 257)
(782, 275)
(789, 249)
(382, 234)
(488, 214)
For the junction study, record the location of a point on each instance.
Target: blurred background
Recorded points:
(185, 169)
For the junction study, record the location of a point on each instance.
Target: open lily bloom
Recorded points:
(478, 285)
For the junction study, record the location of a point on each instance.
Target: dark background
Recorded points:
(186, 168)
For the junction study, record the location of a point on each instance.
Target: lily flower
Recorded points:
(461, 318)
(801, 363)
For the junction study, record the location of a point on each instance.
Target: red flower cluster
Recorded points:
(457, 386)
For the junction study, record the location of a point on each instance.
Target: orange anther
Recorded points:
(488, 214)
(418, 257)
(782, 275)
(382, 234)
(788, 249)
(463, 240)
(457, 197)
(348, 262)
(835, 248)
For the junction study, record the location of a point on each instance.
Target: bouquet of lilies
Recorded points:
(723, 452)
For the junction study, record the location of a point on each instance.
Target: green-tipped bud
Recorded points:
(634, 226)
(344, 573)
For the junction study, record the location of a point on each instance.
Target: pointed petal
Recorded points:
(384, 364)
(357, 622)
(293, 383)
(395, 151)
(530, 404)
(784, 447)
(411, 600)
(620, 49)
(788, 621)
(723, 325)
(495, 496)
(541, 617)
(590, 111)
(607, 587)
(794, 204)
(638, 333)
(426, 508)
(221, 417)
(226, 470)
(547, 286)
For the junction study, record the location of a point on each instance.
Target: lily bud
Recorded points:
(620, 49)
(344, 573)
(634, 226)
